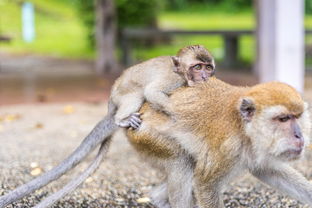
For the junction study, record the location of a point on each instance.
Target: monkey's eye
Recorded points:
(298, 115)
(283, 118)
(197, 67)
(209, 67)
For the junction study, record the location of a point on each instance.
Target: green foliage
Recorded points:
(86, 11)
(59, 31)
(225, 5)
(308, 6)
(138, 13)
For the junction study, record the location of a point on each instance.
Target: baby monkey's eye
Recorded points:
(197, 67)
(209, 67)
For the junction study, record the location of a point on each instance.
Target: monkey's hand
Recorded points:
(133, 121)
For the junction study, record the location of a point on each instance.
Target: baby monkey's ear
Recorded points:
(176, 64)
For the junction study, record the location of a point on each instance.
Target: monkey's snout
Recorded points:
(299, 143)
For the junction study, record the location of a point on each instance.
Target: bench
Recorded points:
(4, 38)
(230, 38)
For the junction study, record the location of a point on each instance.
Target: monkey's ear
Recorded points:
(247, 109)
(176, 63)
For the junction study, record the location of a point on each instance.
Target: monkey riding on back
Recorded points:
(151, 81)
(218, 131)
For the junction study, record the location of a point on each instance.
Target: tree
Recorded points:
(105, 34)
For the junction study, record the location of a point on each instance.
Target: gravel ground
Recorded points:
(35, 138)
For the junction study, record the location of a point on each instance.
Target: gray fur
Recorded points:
(76, 181)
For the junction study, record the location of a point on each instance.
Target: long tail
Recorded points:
(102, 130)
(74, 183)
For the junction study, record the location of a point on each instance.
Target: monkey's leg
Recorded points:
(126, 115)
(159, 196)
(73, 184)
(180, 182)
(102, 130)
(207, 195)
(155, 95)
(208, 181)
(287, 180)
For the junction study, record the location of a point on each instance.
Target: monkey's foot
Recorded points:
(133, 121)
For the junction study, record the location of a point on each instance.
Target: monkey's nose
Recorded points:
(299, 143)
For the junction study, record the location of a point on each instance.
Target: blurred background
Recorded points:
(72, 50)
(59, 59)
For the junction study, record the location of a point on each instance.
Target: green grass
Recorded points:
(59, 32)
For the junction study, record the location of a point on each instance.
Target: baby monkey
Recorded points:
(154, 80)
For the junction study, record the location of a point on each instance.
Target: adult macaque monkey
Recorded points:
(219, 131)
(152, 80)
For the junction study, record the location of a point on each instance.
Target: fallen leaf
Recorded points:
(88, 180)
(12, 117)
(39, 126)
(143, 200)
(68, 109)
(36, 171)
(1, 128)
(310, 146)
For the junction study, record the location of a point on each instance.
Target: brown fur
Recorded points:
(210, 111)
(196, 107)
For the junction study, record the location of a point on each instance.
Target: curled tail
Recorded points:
(103, 130)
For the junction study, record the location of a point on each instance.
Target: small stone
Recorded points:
(88, 180)
(34, 165)
(143, 200)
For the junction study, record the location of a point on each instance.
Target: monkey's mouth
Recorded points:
(292, 154)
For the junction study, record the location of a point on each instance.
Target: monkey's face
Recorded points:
(197, 70)
(276, 132)
(196, 65)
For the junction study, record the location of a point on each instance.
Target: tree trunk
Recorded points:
(106, 37)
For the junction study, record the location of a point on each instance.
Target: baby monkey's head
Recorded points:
(194, 63)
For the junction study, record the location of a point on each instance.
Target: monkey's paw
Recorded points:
(133, 121)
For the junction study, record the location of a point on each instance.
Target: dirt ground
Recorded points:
(37, 131)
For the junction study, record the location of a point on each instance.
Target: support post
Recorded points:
(280, 41)
(231, 51)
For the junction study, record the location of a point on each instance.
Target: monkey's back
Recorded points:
(135, 78)
(204, 110)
